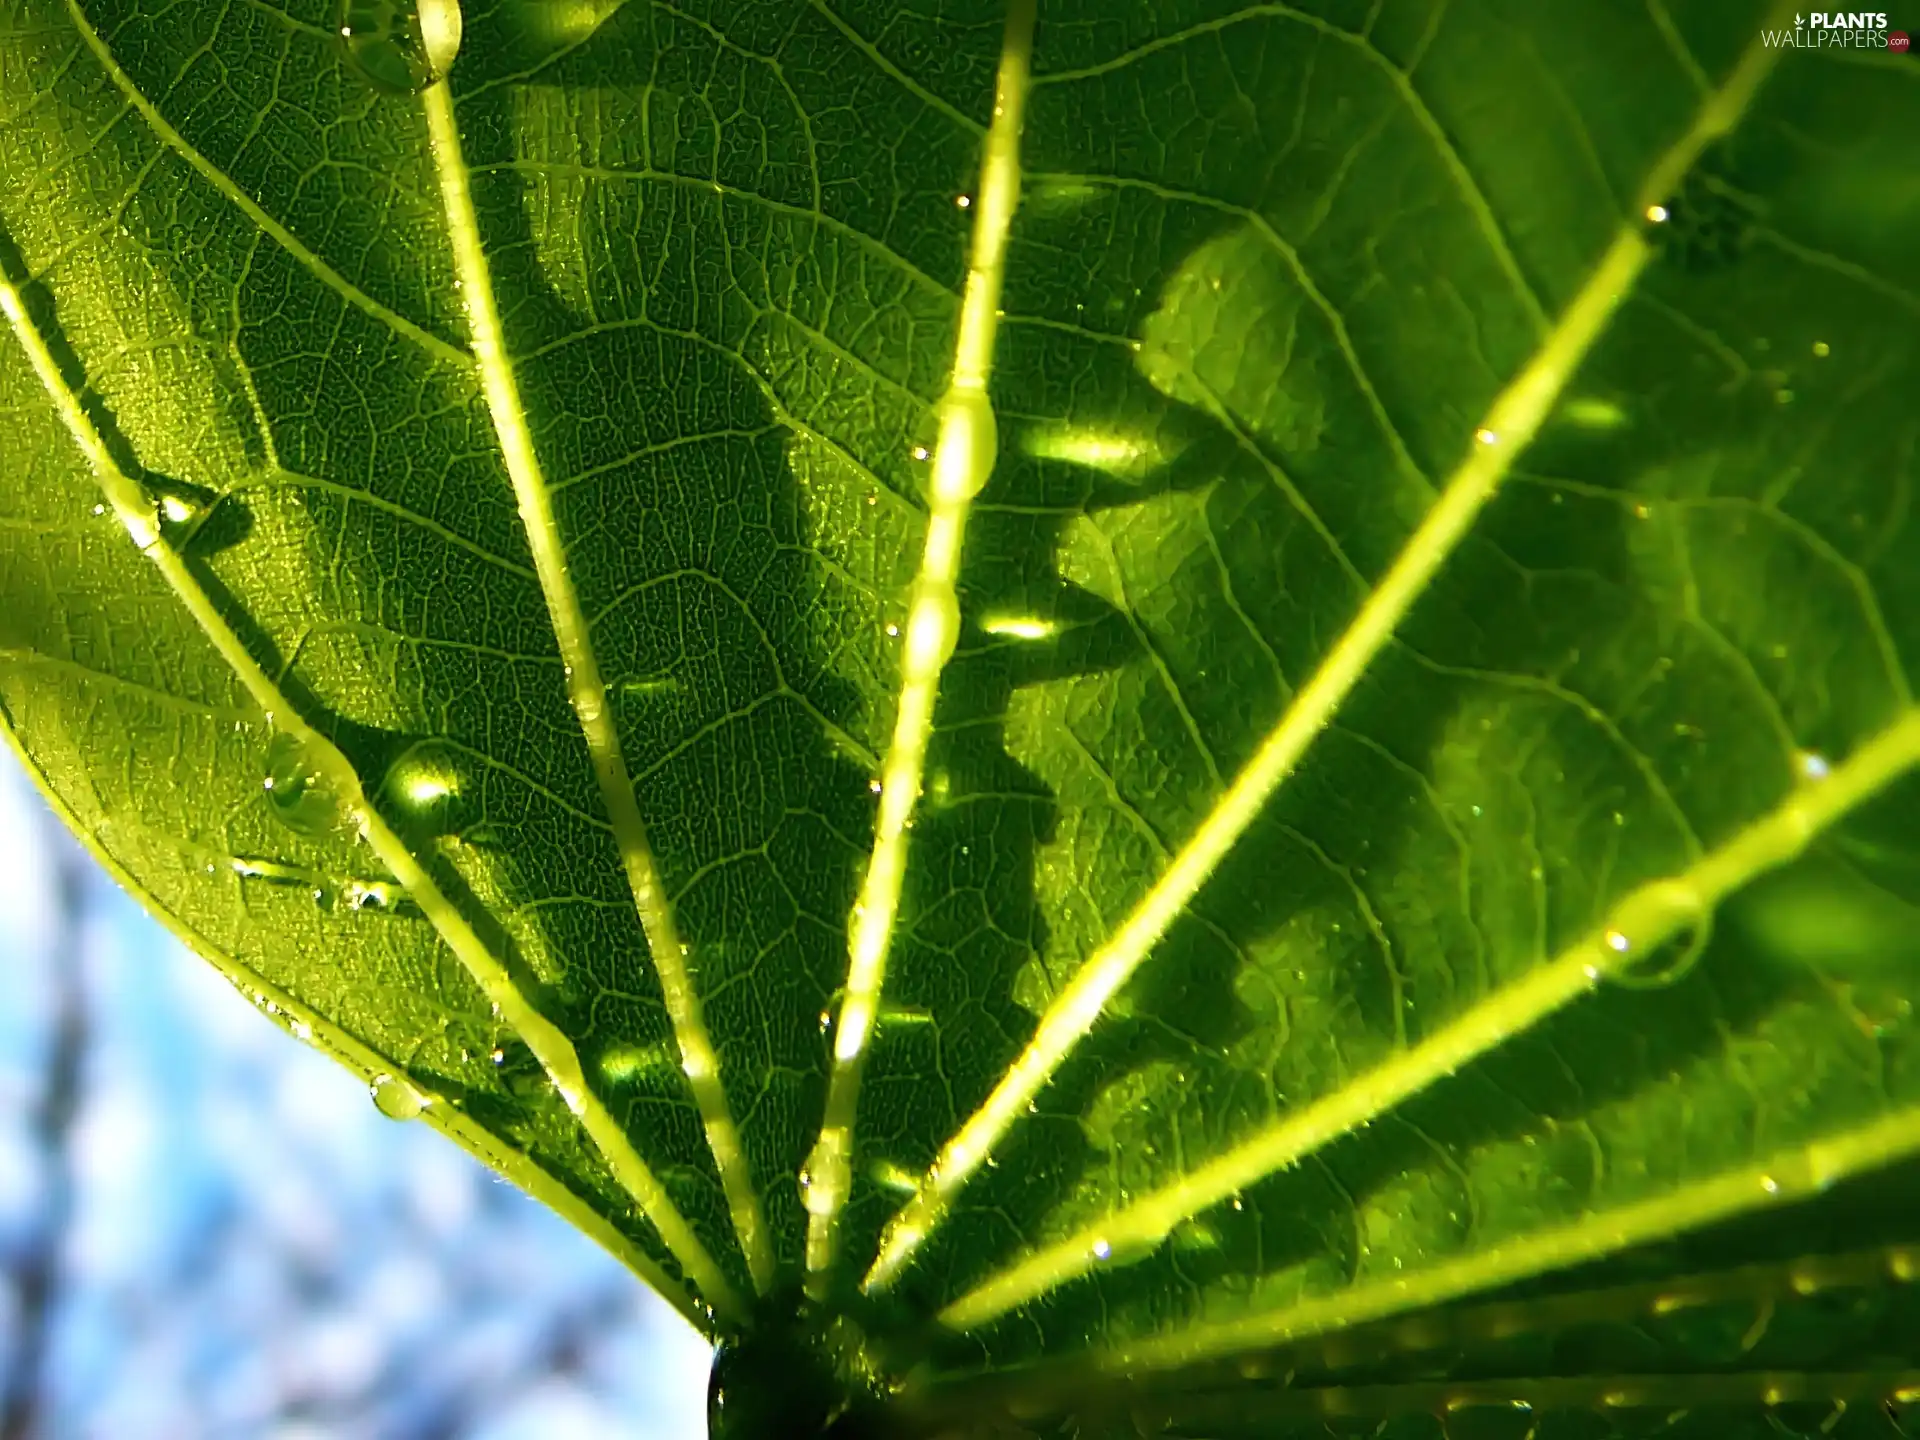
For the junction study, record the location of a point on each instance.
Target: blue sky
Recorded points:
(257, 1252)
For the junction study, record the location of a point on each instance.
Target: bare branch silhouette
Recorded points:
(35, 1271)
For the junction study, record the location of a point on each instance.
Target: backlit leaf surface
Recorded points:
(1516, 400)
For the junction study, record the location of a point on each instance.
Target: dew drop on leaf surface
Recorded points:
(295, 792)
(395, 1098)
(1464, 509)
(430, 791)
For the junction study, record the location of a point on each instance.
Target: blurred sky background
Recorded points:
(242, 1246)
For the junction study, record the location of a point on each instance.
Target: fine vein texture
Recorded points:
(1639, 924)
(1452, 471)
(963, 460)
(1774, 1179)
(1510, 425)
(586, 686)
(135, 510)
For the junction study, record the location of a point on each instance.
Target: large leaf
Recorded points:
(1419, 802)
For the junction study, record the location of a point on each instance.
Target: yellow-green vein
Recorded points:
(1516, 414)
(131, 506)
(1796, 1172)
(315, 1029)
(1637, 925)
(1682, 1392)
(585, 688)
(963, 458)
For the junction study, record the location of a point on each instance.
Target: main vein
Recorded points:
(1785, 1175)
(517, 1165)
(1636, 926)
(963, 458)
(587, 690)
(132, 506)
(1510, 424)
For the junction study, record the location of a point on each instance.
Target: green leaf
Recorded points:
(1082, 711)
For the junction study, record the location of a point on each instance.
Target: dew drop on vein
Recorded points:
(1126, 1250)
(295, 791)
(400, 47)
(933, 628)
(1660, 936)
(178, 507)
(968, 446)
(395, 1098)
(826, 1176)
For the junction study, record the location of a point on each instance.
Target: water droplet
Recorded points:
(143, 525)
(1662, 931)
(1020, 627)
(177, 505)
(1821, 349)
(269, 872)
(1123, 1249)
(397, 46)
(1486, 436)
(1811, 765)
(377, 897)
(429, 788)
(933, 628)
(296, 793)
(969, 443)
(965, 202)
(825, 1177)
(395, 1098)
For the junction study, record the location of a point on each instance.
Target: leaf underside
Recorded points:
(1284, 283)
